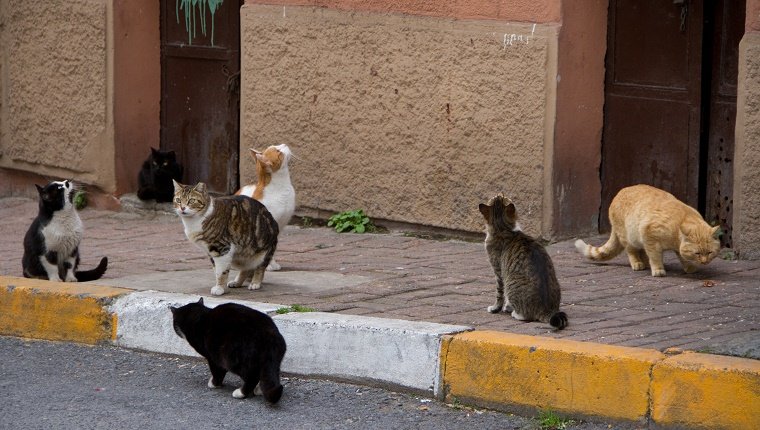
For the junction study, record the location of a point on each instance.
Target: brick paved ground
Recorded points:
(444, 281)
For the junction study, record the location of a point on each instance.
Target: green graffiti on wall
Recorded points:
(189, 8)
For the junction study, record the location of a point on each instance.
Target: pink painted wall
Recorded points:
(137, 87)
(576, 188)
(753, 15)
(538, 11)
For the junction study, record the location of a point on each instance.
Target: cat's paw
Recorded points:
(70, 277)
(211, 383)
(638, 266)
(517, 316)
(273, 266)
(238, 394)
(658, 272)
(494, 309)
(217, 290)
(254, 286)
(233, 284)
(257, 391)
(689, 268)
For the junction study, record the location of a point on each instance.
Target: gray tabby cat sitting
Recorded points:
(522, 266)
(236, 232)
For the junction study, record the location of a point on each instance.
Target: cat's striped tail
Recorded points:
(558, 320)
(604, 252)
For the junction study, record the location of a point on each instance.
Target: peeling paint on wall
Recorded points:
(189, 8)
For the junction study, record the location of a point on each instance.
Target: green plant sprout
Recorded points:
(351, 221)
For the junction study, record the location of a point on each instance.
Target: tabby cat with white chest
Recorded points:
(273, 187)
(51, 245)
(236, 232)
(235, 338)
(522, 266)
(647, 221)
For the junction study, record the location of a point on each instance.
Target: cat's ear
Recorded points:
(254, 153)
(177, 186)
(201, 187)
(172, 156)
(153, 151)
(200, 301)
(39, 189)
(260, 158)
(485, 210)
(511, 211)
(173, 309)
(716, 232)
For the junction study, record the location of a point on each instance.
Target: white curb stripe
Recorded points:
(355, 348)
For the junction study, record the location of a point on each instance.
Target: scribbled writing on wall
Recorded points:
(194, 12)
(511, 39)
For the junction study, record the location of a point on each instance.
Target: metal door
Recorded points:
(200, 63)
(652, 98)
(725, 27)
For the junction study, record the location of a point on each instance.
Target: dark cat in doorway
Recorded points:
(156, 175)
(235, 338)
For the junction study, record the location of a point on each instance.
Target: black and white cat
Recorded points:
(51, 245)
(156, 175)
(235, 338)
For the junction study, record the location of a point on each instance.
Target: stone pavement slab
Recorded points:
(396, 275)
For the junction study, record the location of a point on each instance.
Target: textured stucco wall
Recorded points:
(747, 150)
(53, 70)
(413, 119)
(540, 11)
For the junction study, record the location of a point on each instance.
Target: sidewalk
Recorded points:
(402, 311)
(450, 282)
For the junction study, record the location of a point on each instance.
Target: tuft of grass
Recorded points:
(307, 222)
(294, 308)
(728, 254)
(80, 200)
(548, 420)
(351, 221)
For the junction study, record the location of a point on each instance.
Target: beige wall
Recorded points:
(413, 119)
(55, 118)
(746, 232)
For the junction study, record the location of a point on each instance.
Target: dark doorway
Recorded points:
(200, 103)
(667, 121)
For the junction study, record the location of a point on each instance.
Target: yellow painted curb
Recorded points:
(67, 311)
(496, 368)
(708, 391)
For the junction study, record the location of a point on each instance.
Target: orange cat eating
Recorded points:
(646, 222)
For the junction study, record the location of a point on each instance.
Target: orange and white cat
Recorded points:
(647, 221)
(273, 187)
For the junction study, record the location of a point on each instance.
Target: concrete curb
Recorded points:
(494, 369)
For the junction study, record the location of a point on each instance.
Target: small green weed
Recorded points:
(728, 254)
(351, 221)
(307, 222)
(456, 404)
(294, 308)
(80, 200)
(548, 420)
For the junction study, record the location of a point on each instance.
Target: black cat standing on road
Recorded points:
(51, 245)
(235, 338)
(156, 175)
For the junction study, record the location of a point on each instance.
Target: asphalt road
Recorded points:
(55, 385)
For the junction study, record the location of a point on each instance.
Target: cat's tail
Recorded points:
(558, 320)
(601, 253)
(96, 273)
